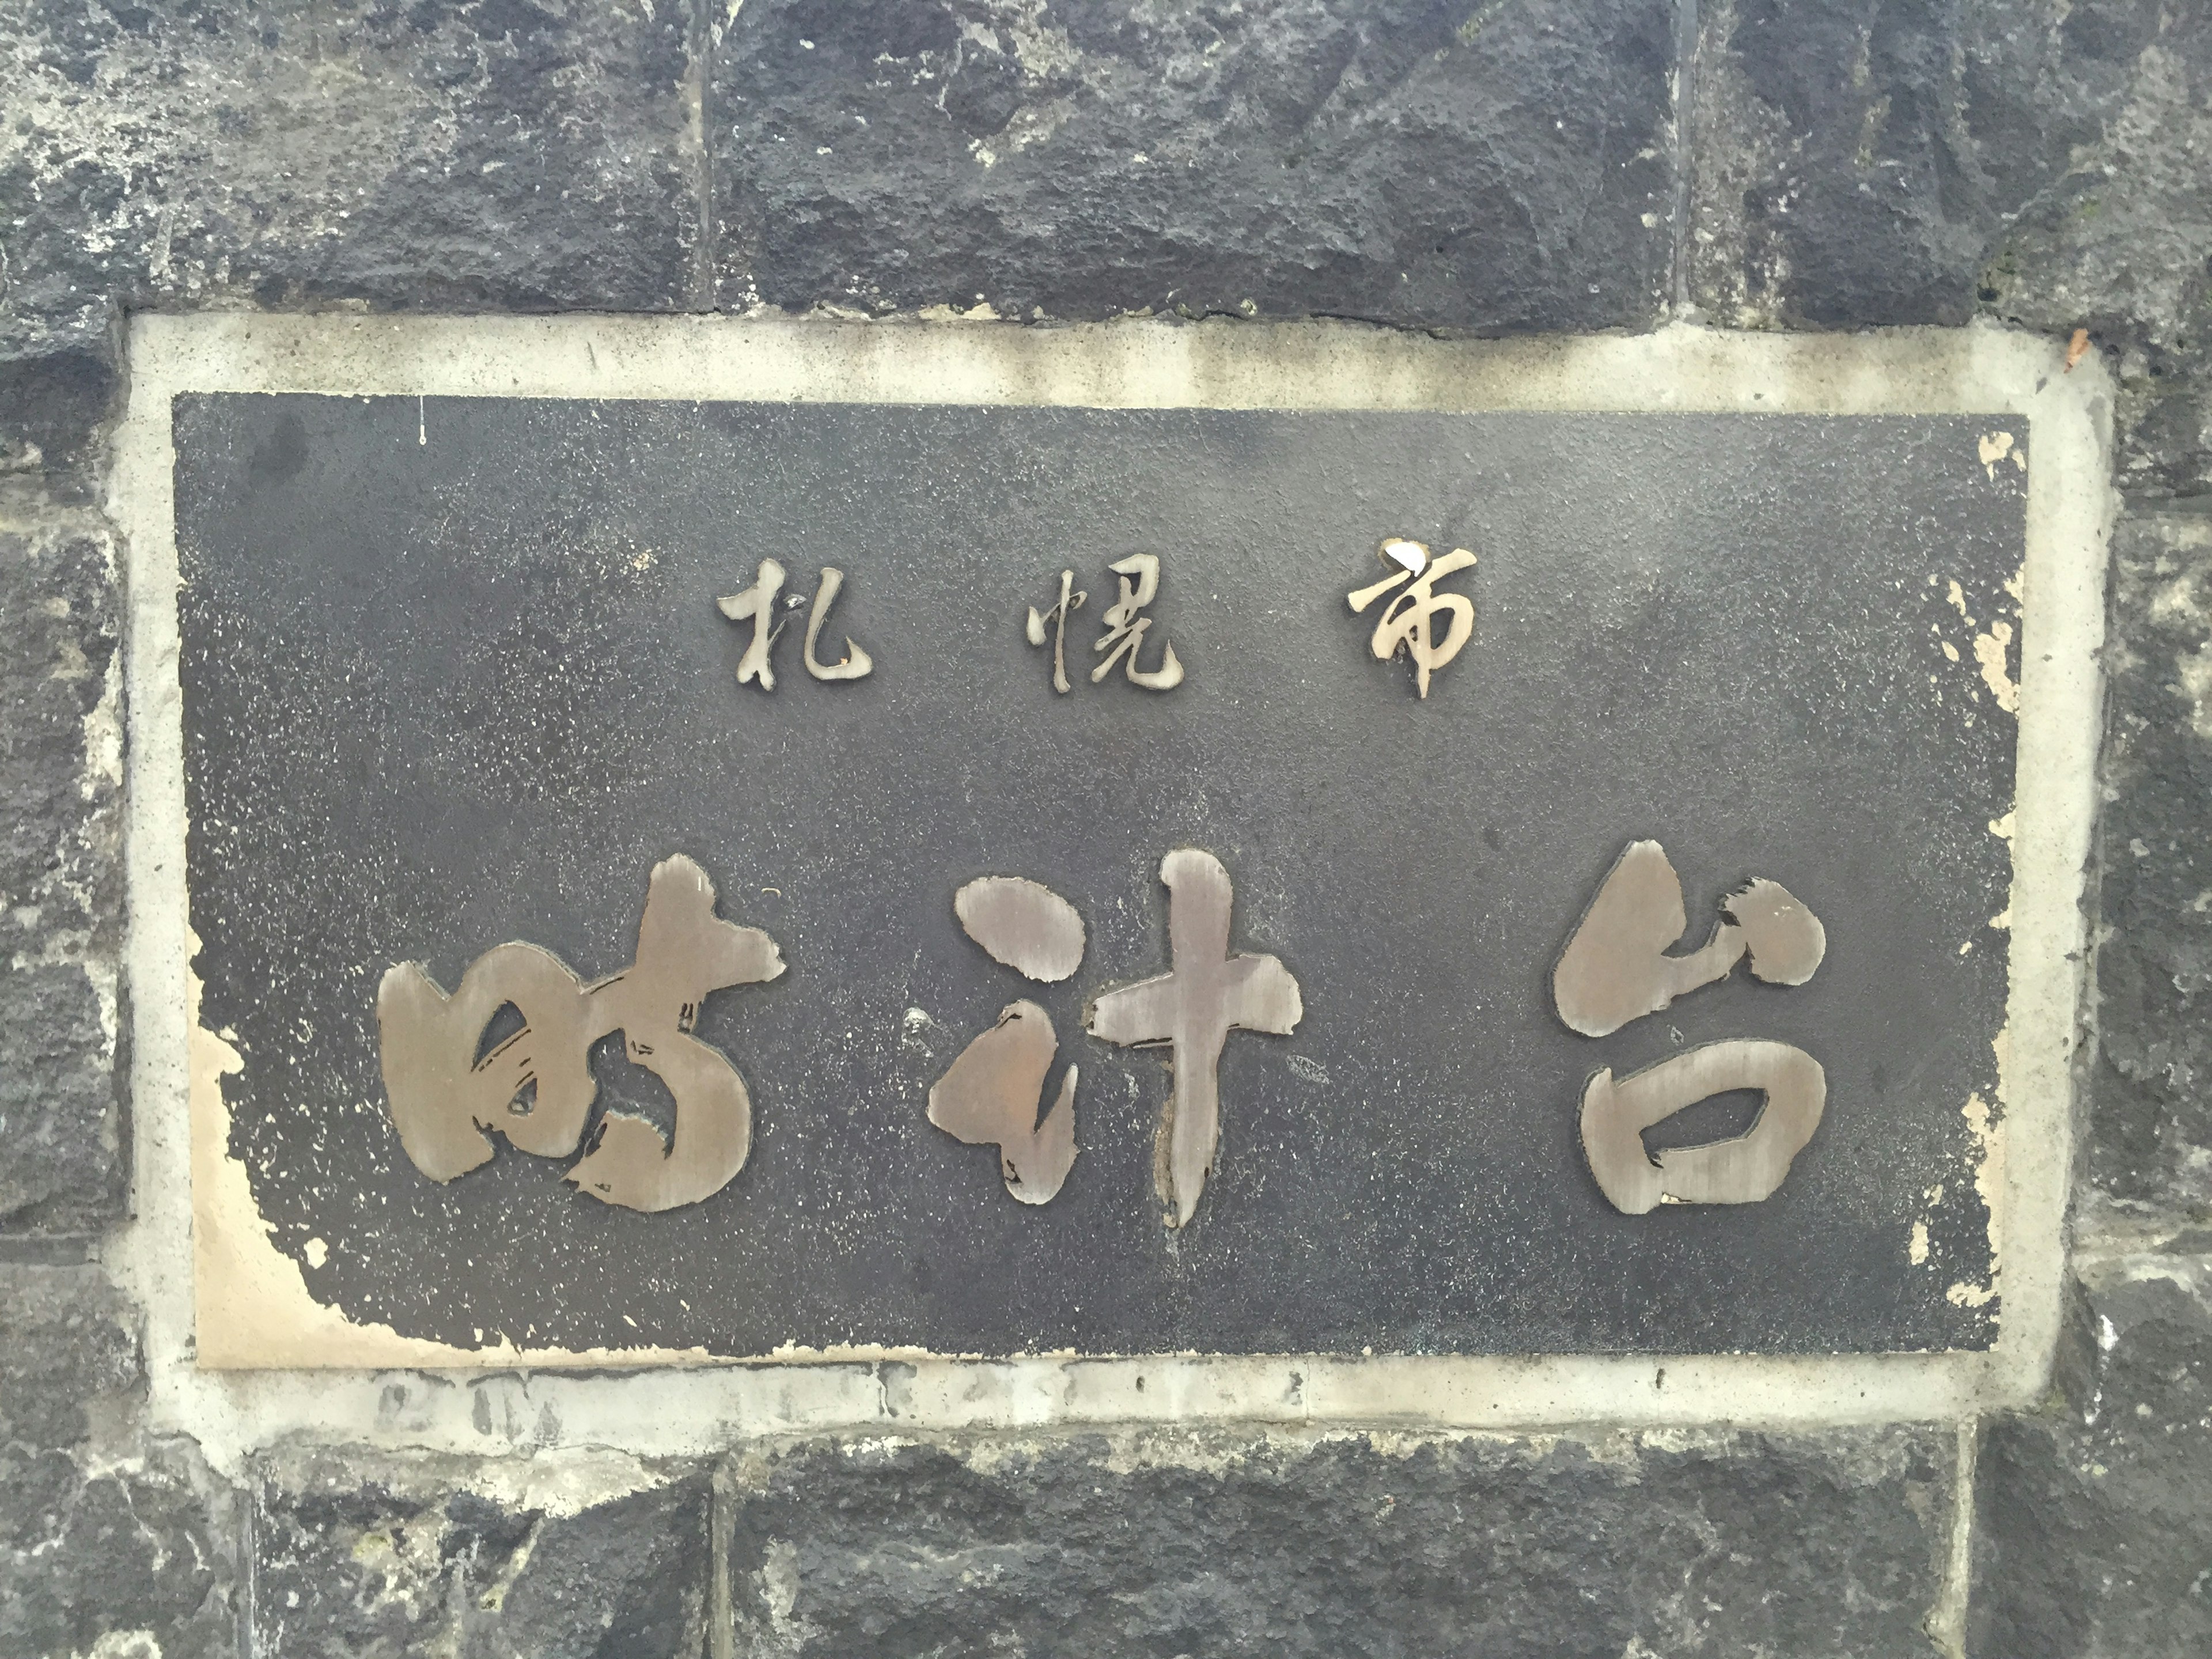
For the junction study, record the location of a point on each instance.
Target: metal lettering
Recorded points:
(1404, 623)
(1743, 1170)
(1125, 629)
(536, 1087)
(855, 664)
(1059, 614)
(1023, 924)
(1206, 994)
(990, 1095)
(757, 604)
(1615, 969)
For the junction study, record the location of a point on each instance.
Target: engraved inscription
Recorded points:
(534, 1085)
(1742, 1170)
(1124, 624)
(1206, 994)
(1024, 924)
(1070, 600)
(1406, 621)
(757, 604)
(990, 1095)
(1615, 971)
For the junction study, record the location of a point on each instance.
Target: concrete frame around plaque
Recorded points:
(219, 1293)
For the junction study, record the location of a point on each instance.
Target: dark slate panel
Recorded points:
(1434, 166)
(1819, 1547)
(453, 676)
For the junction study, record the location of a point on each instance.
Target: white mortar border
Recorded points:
(665, 1410)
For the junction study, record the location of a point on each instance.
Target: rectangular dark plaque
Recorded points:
(454, 674)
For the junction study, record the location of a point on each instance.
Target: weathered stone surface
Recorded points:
(2150, 1142)
(69, 1350)
(58, 382)
(2092, 1519)
(2120, 242)
(66, 1171)
(1495, 169)
(1857, 163)
(453, 155)
(60, 882)
(104, 1548)
(1189, 1544)
(379, 1560)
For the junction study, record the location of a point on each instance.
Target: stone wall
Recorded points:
(1482, 168)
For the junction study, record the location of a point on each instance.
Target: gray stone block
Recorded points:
(1857, 161)
(508, 155)
(2091, 1519)
(60, 875)
(65, 1172)
(107, 1546)
(1860, 164)
(1186, 1543)
(2150, 1139)
(59, 384)
(373, 1560)
(68, 1346)
(1409, 162)
(2120, 241)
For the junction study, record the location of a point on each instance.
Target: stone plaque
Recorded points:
(676, 880)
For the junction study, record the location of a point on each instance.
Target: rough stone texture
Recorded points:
(60, 885)
(1862, 163)
(2150, 1147)
(2095, 1517)
(1187, 1545)
(101, 1537)
(379, 1560)
(58, 382)
(1848, 163)
(1483, 167)
(451, 154)
(1880, 150)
